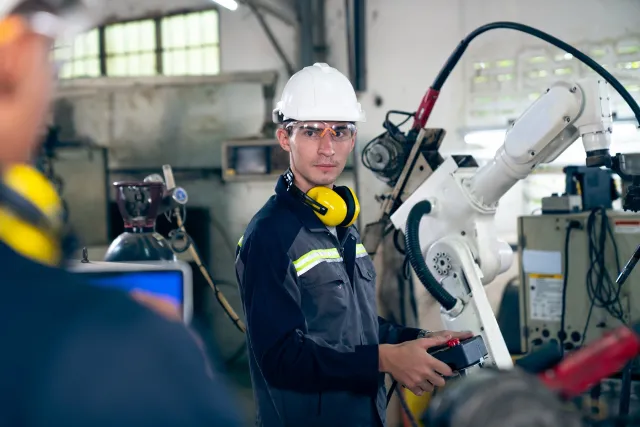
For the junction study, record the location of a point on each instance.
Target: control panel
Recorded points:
(460, 355)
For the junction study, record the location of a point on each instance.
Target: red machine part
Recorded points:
(584, 368)
(425, 108)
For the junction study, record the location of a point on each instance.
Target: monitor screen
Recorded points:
(166, 285)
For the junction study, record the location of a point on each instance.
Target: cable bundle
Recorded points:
(602, 289)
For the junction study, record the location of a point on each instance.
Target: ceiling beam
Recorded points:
(286, 16)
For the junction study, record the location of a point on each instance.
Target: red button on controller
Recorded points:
(453, 342)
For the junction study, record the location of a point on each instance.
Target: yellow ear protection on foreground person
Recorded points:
(32, 217)
(31, 212)
(337, 207)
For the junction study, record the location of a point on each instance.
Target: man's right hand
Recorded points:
(411, 365)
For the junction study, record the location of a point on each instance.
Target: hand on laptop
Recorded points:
(160, 305)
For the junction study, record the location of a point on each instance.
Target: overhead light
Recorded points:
(229, 4)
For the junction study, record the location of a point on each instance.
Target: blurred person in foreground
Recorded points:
(74, 354)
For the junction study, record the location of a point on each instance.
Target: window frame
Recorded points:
(103, 57)
(163, 48)
(64, 61)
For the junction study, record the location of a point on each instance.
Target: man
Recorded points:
(318, 350)
(73, 354)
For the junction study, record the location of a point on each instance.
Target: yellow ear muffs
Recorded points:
(341, 203)
(30, 215)
(336, 206)
(353, 206)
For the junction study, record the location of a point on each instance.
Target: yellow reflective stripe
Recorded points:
(240, 241)
(314, 254)
(309, 260)
(360, 251)
(316, 262)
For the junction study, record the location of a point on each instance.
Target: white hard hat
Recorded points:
(319, 92)
(57, 19)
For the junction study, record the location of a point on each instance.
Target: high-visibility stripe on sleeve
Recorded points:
(309, 260)
(360, 251)
(240, 241)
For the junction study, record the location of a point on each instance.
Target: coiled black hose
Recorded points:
(412, 246)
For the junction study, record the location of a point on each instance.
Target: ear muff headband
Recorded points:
(301, 195)
(335, 208)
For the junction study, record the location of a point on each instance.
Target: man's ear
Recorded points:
(283, 139)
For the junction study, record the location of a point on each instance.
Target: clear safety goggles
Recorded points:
(340, 132)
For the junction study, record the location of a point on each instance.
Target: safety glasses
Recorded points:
(340, 132)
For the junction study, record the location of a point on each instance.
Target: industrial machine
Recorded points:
(448, 219)
(252, 158)
(585, 189)
(569, 265)
(454, 249)
(572, 277)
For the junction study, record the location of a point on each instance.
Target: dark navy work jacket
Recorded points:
(76, 355)
(313, 331)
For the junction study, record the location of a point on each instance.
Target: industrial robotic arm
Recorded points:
(449, 221)
(446, 209)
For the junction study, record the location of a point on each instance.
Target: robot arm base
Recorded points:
(461, 277)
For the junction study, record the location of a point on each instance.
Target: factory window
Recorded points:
(130, 49)
(81, 58)
(175, 45)
(190, 44)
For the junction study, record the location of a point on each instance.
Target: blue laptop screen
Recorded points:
(164, 283)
